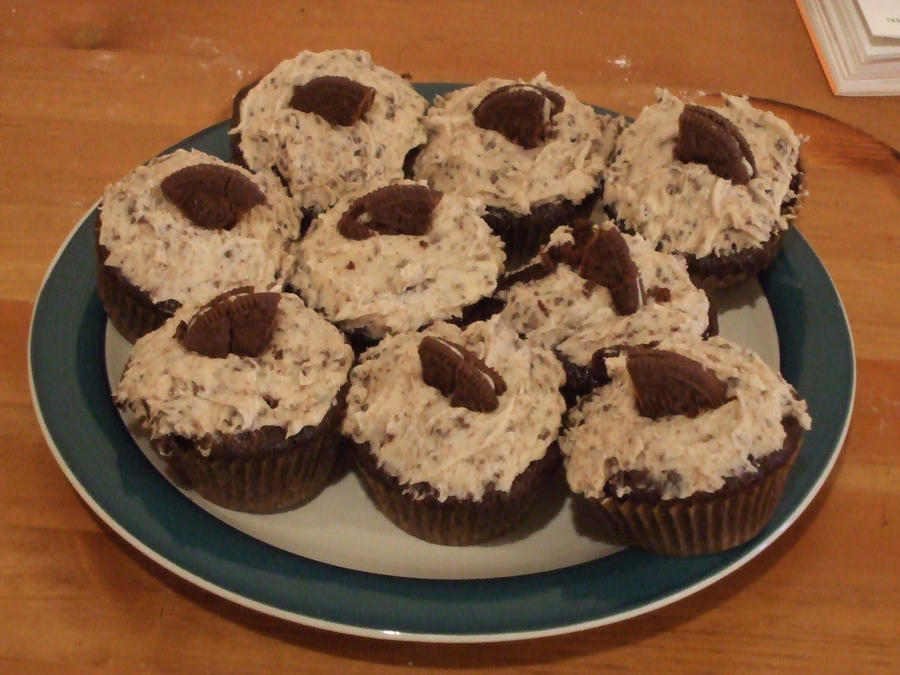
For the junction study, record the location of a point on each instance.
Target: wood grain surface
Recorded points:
(88, 90)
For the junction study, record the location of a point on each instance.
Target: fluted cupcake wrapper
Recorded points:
(712, 271)
(267, 484)
(261, 479)
(130, 309)
(454, 522)
(708, 523)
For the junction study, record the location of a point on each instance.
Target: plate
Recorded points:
(474, 601)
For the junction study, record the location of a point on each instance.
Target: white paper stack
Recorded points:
(857, 42)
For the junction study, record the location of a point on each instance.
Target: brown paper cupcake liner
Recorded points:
(454, 521)
(129, 308)
(701, 524)
(713, 271)
(260, 471)
(697, 525)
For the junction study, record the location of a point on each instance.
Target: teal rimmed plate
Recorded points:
(97, 453)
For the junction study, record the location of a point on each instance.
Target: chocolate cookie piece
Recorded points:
(460, 375)
(236, 322)
(668, 383)
(338, 100)
(600, 256)
(607, 261)
(390, 210)
(518, 112)
(659, 293)
(706, 137)
(214, 197)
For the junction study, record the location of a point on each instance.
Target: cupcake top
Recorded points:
(418, 436)
(678, 454)
(238, 237)
(388, 280)
(568, 309)
(292, 382)
(684, 205)
(323, 157)
(564, 161)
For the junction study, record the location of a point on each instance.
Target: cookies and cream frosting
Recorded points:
(418, 437)
(291, 384)
(391, 283)
(162, 252)
(460, 156)
(563, 310)
(320, 161)
(686, 207)
(608, 436)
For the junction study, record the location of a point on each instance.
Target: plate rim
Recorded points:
(750, 550)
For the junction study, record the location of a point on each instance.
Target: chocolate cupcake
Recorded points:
(454, 431)
(593, 287)
(396, 257)
(243, 398)
(327, 123)
(530, 151)
(719, 185)
(184, 228)
(686, 449)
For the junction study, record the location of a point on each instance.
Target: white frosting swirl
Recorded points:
(159, 250)
(392, 283)
(173, 390)
(686, 207)
(320, 161)
(555, 311)
(607, 435)
(460, 156)
(417, 436)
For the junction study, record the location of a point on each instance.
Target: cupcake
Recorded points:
(718, 184)
(184, 228)
(454, 430)
(593, 287)
(243, 398)
(530, 151)
(686, 449)
(327, 123)
(395, 257)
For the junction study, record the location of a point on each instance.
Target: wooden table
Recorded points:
(88, 90)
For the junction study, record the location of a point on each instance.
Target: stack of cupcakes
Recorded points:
(426, 290)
